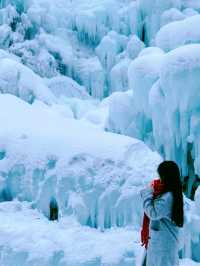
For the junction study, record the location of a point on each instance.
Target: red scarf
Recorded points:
(158, 188)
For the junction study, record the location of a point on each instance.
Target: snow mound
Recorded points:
(151, 50)
(179, 33)
(173, 14)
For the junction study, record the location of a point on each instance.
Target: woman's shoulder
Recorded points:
(167, 196)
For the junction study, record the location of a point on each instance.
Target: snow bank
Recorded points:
(92, 174)
(179, 33)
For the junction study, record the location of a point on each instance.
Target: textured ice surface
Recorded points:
(62, 86)
(179, 33)
(19, 80)
(143, 73)
(151, 13)
(60, 244)
(66, 243)
(60, 38)
(66, 53)
(92, 174)
(173, 14)
(121, 113)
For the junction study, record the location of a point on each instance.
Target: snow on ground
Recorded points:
(29, 239)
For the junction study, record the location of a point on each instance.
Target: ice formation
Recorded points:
(47, 37)
(17, 79)
(178, 33)
(143, 73)
(62, 86)
(86, 176)
(69, 71)
(120, 119)
(151, 12)
(173, 14)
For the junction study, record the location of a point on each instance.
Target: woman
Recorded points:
(163, 206)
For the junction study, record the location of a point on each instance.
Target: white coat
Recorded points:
(164, 234)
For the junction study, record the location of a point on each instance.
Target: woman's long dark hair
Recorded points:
(170, 176)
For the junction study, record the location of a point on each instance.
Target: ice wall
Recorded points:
(62, 39)
(54, 39)
(180, 73)
(151, 12)
(166, 106)
(95, 178)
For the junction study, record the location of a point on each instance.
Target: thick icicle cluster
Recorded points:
(165, 103)
(95, 177)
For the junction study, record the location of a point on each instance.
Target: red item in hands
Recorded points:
(158, 188)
